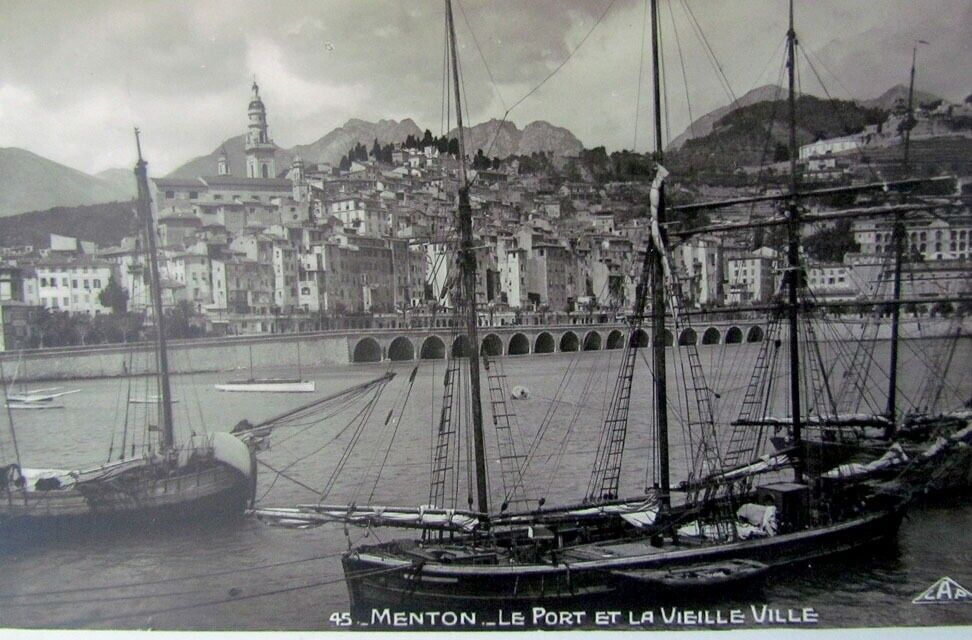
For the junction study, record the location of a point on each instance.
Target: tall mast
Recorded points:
(658, 285)
(145, 217)
(793, 256)
(911, 106)
(467, 262)
(897, 237)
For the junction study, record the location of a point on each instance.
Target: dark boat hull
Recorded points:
(379, 578)
(209, 495)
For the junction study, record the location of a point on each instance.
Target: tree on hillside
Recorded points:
(376, 150)
(480, 161)
(831, 244)
(427, 139)
(114, 297)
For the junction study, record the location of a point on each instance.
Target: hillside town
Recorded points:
(264, 248)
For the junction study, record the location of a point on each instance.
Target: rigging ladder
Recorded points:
(442, 464)
(606, 477)
(747, 435)
(716, 499)
(819, 382)
(504, 419)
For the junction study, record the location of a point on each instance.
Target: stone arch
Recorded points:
(711, 336)
(688, 337)
(519, 345)
(615, 339)
(669, 338)
(544, 343)
(460, 347)
(734, 335)
(755, 334)
(492, 345)
(569, 341)
(366, 350)
(432, 348)
(401, 348)
(592, 341)
(640, 338)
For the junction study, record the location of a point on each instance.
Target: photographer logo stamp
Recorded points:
(944, 590)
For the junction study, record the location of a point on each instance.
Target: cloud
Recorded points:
(76, 76)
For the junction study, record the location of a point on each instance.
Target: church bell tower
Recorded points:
(259, 147)
(222, 164)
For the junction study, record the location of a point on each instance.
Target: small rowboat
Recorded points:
(268, 385)
(699, 577)
(147, 400)
(13, 404)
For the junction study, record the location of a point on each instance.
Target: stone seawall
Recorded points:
(286, 351)
(185, 356)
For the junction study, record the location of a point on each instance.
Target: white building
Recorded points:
(698, 262)
(831, 281)
(832, 146)
(751, 277)
(937, 237)
(354, 213)
(73, 284)
(510, 260)
(193, 270)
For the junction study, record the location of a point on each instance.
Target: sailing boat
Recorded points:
(269, 385)
(205, 479)
(924, 450)
(26, 398)
(484, 560)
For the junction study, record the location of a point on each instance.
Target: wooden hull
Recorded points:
(210, 494)
(382, 577)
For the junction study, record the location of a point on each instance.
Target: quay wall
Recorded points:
(286, 351)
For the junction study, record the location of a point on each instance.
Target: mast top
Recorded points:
(138, 146)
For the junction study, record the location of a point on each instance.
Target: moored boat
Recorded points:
(268, 385)
(163, 482)
(730, 526)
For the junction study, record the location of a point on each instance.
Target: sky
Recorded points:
(76, 77)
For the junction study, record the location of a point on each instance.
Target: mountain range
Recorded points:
(29, 182)
(509, 139)
(703, 126)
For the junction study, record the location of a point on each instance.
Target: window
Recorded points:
(43, 282)
(193, 195)
(74, 284)
(96, 283)
(170, 194)
(64, 282)
(217, 197)
(87, 284)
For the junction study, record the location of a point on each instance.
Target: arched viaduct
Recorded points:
(400, 345)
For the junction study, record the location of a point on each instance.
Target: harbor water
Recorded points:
(246, 575)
